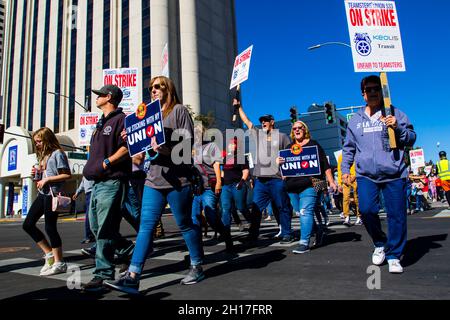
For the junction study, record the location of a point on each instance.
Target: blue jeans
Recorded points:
(230, 195)
(207, 202)
(308, 200)
(394, 193)
(107, 200)
(418, 202)
(153, 203)
(264, 192)
(295, 201)
(87, 228)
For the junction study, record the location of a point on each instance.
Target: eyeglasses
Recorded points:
(372, 89)
(157, 86)
(298, 128)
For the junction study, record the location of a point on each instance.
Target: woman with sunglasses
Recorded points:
(166, 182)
(301, 189)
(51, 172)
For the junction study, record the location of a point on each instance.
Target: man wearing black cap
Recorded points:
(443, 166)
(109, 165)
(269, 187)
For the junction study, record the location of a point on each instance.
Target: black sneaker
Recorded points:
(89, 252)
(302, 248)
(95, 285)
(125, 284)
(287, 240)
(195, 275)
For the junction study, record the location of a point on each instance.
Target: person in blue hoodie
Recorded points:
(380, 168)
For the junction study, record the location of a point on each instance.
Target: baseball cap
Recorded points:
(114, 91)
(267, 117)
(442, 154)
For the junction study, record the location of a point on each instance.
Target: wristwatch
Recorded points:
(107, 163)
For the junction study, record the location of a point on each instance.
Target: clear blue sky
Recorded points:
(284, 73)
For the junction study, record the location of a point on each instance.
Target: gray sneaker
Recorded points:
(125, 284)
(302, 248)
(195, 275)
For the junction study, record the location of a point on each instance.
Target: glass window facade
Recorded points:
(73, 66)
(58, 66)
(106, 32)
(33, 66)
(89, 27)
(20, 102)
(45, 64)
(146, 62)
(125, 34)
(11, 63)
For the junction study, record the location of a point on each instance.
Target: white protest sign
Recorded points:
(241, 67)
(375, 36)
(165, 61)
(87, 123)
(417, 158)
(127, 80)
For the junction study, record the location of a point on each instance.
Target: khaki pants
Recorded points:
(346, 190)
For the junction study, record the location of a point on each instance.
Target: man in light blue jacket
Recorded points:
(378, 167)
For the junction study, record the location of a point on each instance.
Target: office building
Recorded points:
(63, 47)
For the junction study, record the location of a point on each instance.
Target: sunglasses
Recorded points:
(156, 86)
(298, 128)
(372, 89)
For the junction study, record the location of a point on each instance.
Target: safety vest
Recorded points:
(444, 172)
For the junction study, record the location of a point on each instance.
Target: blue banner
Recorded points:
(142, 126)
(300, 161)
(24, 200)
(12, 158)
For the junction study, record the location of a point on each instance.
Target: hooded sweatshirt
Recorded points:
(367, 143)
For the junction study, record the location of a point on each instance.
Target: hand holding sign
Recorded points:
(144, 129)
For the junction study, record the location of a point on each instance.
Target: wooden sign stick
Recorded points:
(387, 107)
(238, 98)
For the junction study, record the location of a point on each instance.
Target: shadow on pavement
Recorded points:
(341, 237)
(416, 248)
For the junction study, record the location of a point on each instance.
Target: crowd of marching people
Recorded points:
(370, 175)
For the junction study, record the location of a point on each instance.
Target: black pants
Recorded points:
(42, 206)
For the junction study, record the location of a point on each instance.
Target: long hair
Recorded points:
(307, 133)
(49, 143)
(172, 96)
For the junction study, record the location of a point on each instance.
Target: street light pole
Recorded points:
(67, 97)
(317, 46)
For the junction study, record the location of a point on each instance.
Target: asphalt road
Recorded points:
(268, 271)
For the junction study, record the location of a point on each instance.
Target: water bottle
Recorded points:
(37, 172)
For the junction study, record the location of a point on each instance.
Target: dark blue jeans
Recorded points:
(153, 203)
(266, 191)
(394, 193)
(231, 196)
(208, 203)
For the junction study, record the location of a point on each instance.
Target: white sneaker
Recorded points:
(347, 221)
(57, 268)
(49, 261)
(395, 266)
(359, 222)
(342, 215)
(378, 256)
